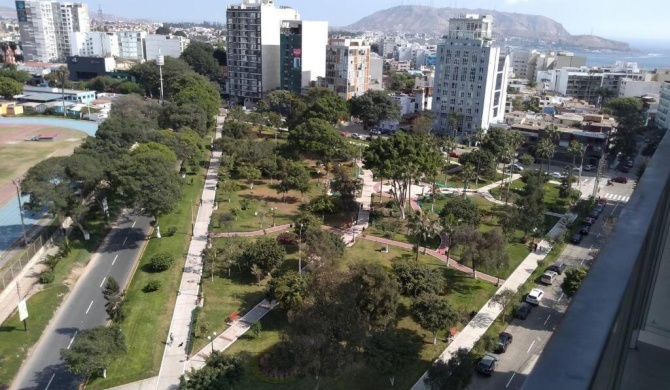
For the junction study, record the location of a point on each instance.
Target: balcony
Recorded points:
(616, 332)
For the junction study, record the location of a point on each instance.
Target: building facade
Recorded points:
(253, 37)
(131, 44)
(663, 117)
(84, 68)
(166, 45)
(302, 53)
(45, 28)
(347, 67)
(94, 44)
(470, 85)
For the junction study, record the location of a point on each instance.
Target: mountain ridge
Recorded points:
(417, 18)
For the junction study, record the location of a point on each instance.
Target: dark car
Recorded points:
(620, 179)
(589, 221)
(523, 310)
(599, 207)
(576, 239)
(594, 214)
(584, 230)
(504, 340)
(558, 267)
(487, 364)
(625, 169)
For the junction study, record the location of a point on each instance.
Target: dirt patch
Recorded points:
(75, 273)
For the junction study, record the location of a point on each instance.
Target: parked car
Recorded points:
(594, 214)
(619, 179)
(355, 136)
(504, 340)
(375, 132)
(589, 221)
(455, 155)
(588, 168)
(576, 238)
(630, 163)
(602, 201)
(535, 296)
(523, 310)
(624, 169)
(557, 175)
(558, 267)
(487, 364)
(584, 230)
(548, 277)
(599, 208)
(516, 167)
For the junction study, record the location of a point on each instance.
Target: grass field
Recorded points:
(18, 155)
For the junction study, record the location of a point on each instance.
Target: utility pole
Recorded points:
(601, 164)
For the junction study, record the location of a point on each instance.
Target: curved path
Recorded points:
(269, 230)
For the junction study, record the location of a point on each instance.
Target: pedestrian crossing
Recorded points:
(616, 198)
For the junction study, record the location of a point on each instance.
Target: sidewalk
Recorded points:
(363, 219)
(476, 328)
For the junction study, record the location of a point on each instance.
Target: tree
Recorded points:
(100, 83)
(221, 56)
(93, 350)
(265, 253)
(294, 177)
(391, 350)
(149, 180)
(463, 210)
(324, 104)
(114, 297)
(576, 149)
(378, 295)
(401, 81)
(530, 205)
(433, 313)
(250, 174)
(565, 188)
(21, 76)
(628, 113)
(545, 150)
(456, 374)
(416, 279)
(318, 139)
(163, 30)
(221, 372)
(128, 87)
(526, 159)
(279, 101)
(423, 124)
(196, 89)
(290, 290)
(482, 160)
(147, 75)
(10, 87)
(402, 159)
(455, 120)
(503, 298)
(323, 204)
(374, 107)
(492, 251)
(552, 134)
(323, 246)
(573, 280)
(423, 229)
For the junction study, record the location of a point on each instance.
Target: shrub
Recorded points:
(244, 204)
(171, 231)
(51, 261)
(47, 277)
(161, 261)
(287, 238)
(153, 285)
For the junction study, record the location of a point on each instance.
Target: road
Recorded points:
(84, 307)
(532, 334)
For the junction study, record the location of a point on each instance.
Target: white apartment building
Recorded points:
(663, 117)
(165, 45)
(629, 87)
(526, 63)
(131, 44)
(347, 67)
(387, 46)
(470, 87)
(45, 28)
(253, 37)
(94, 44)
(376, 72)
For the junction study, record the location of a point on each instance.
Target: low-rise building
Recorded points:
(165, 45)
(48, 94)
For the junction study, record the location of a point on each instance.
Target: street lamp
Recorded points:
(17, 183)
(300, 251)
(273, 209)
(211, 339)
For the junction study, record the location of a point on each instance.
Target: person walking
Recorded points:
(171, 339)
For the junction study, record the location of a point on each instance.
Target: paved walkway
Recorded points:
(476, 328)
(269, 230)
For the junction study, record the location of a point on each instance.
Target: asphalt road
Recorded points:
(532, 334)
(84, 307)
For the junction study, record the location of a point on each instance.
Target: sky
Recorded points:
(614, 19)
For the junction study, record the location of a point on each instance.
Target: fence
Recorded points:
(16, 265)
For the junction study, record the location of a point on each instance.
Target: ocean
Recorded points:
(651, 55)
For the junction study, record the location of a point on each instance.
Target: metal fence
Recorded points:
(22, 258)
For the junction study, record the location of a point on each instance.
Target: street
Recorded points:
(532, 334)
(84, 308)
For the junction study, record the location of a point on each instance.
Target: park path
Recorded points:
(269, 230)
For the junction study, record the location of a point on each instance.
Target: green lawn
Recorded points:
(14, 341)
(148, 315)
(551, 196)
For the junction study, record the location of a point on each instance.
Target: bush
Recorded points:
(153, 285)
(287, 238)
(171, 231)
(244, 204)
(161, 261)
(51, 261)
(47, 277)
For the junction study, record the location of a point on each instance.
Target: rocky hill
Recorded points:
(420, 19)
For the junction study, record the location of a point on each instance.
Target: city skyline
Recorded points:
(640, 23)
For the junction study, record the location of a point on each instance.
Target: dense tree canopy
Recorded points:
(10, 87)
(93, 350)
(200, 56)
(374, 107)
(221, 372)
(318, 139)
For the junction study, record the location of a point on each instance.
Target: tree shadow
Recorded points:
(55, 377)
(67, 331)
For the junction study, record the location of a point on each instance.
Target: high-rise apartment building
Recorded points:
(663, 118)
(45, 28)
(302, 53)
(131, 44)
(470, 85)
(253, 38)
(166, 45)
(347, 67)
(94, 44)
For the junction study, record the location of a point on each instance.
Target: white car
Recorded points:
(556, 175)
(588, 168)
(535, 296)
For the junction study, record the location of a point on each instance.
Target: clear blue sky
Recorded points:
(608, 18)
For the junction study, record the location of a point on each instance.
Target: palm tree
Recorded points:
(546, 150)
(467, 174)
(551, 133)
(449, 144)
(454, 118)
(603, 94)
(478, 137)
(423, 229)
(575, 149)
(515, 140)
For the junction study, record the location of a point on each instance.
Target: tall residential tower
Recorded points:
(45, 28)
(347, 67)
(470, 77)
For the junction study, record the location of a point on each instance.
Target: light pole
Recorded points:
(581, 166)
(17, 183)
(300, 251)
(211, 339)
(273, 209)
(160, 61)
